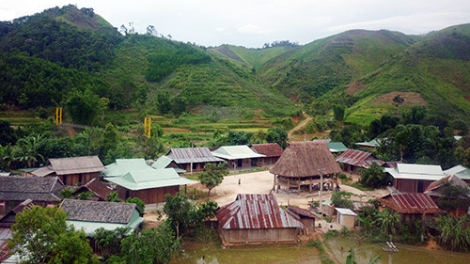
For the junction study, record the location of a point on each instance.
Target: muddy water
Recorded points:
(302, 254)
(407, 254)
(247, 255)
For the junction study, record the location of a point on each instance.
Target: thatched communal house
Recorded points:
(303, 165)
(73, 171)
(255, 219)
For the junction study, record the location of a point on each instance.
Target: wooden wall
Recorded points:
(259, 236)
(148, 196)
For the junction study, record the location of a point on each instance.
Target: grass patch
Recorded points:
(324, 257)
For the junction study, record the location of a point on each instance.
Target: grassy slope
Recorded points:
(322, 65)
(436, 68)
(252, 58)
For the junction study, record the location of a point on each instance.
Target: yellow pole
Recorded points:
(58, 115)
(147, 126)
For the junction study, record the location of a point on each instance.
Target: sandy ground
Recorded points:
(262, 183)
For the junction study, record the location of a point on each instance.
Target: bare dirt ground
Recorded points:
(262, 183)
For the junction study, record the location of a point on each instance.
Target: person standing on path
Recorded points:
(239, 181)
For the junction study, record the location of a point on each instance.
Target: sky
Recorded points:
(252, 23)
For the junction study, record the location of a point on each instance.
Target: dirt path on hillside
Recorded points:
(300, 125)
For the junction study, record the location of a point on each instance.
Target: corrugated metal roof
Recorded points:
(123, 166)
(416, 172)
(85, 164)
(345, 211)
(337, 147)
(194, 155)
(148, 179)
(255, 211)
(269, 149)
(460, 171)
(410, 203)
(5, 235)
(236, 152)
(358, 158)
(433, 188)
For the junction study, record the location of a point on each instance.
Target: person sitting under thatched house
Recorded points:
(305, 164)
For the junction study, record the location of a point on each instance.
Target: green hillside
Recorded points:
(432, 72)
(47, 57)
(320, 66)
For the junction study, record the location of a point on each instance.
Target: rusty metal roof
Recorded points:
(269, 149)
(194, 155)
(410, 203)
(255, 211)
(358, 158)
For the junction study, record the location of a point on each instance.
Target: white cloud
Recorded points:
(252, 23)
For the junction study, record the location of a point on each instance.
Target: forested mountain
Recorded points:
(49, 58)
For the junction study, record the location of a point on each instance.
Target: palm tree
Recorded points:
(388, 222)
(27, 149)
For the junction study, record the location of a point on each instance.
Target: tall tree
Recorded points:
(154, 245)
(213, 175)
(182, 214)
(277, 135)
(41, 235)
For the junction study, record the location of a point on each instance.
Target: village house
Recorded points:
(257, 219)
(460, 171)
(122, 166)
(91, 215)
(99, 190)
(305, 165)
(72, 171)
(192, 159)
(435, 189)
(10, 218)
(165, 162)
(271, 151)
(306, 217)
(14, 190)
(352, 160)
(411, 206)
(337, 147)
(149, 185)
(412, 178)
(238, 157)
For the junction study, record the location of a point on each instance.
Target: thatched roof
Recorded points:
(305, 159)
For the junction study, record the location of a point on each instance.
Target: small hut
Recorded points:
(346, 217)
(305, 164)
(306, 217)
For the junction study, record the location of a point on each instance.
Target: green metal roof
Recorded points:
(123, 166)
(337, 147)
(148, 179)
